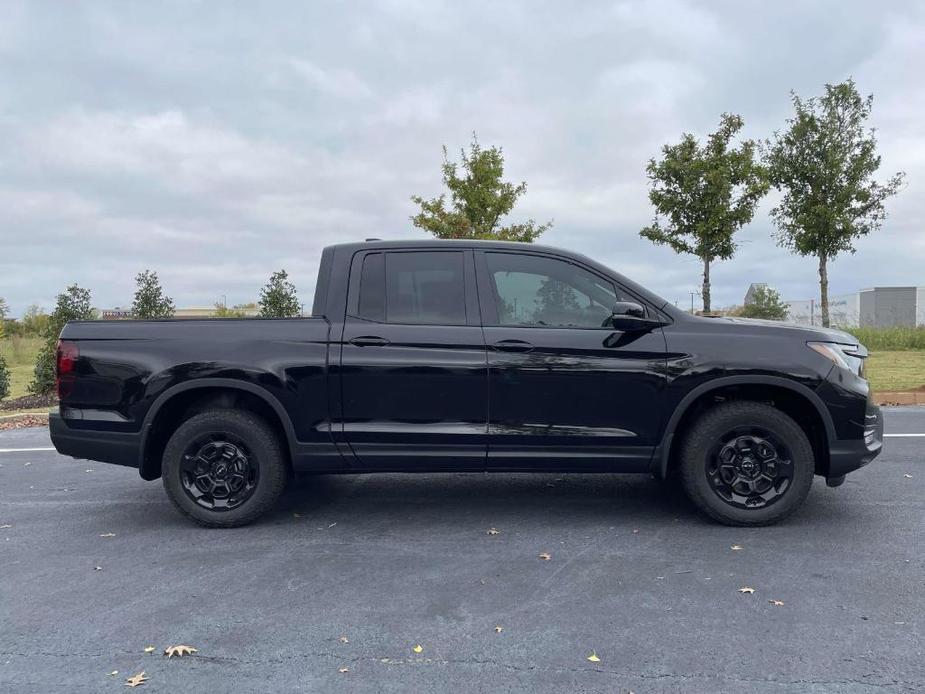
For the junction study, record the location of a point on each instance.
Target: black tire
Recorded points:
(250, 489)
(724, 443)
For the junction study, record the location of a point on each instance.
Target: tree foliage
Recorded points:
(705, 193)
(478, 200)
(766, 303)
(4, 379)
(72, 304)
(824, 163)
(150, 300)
(278, 299)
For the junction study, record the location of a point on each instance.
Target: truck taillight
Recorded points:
(65, 365)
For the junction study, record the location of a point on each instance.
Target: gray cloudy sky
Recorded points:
(216, 142)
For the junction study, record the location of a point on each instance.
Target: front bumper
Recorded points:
(848, 455)
(117, 447)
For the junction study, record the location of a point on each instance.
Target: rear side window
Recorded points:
(417, 287)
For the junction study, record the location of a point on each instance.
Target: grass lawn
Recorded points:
(20, 353)
(896, 370)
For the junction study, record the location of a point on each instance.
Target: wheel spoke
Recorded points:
(748, 469)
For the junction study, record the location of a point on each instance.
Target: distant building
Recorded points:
(750, 294)
(877, 307)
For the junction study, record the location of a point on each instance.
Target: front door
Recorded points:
(413, 365)
(566, 390)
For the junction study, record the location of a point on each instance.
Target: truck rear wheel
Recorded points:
(224, 468)
(746, 463)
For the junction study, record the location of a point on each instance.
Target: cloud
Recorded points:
(216, 147)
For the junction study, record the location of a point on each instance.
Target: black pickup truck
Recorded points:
(472, 356)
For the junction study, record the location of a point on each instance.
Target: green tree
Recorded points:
(824, 163)
(4, 309)
(150, 300)
(34, 321)
(705, 193)
(73, 304)
(479, 199)
(278, 299)
(4, 379)
(766, 303)
(222, 311)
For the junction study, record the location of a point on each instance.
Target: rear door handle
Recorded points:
(369, 341)
(513, 346)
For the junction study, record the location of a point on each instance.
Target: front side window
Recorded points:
(534, 290)
(417, 287)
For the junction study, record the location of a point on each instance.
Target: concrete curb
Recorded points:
(900, 398)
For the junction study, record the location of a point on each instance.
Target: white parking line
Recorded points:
(25, 450)
(913, 436)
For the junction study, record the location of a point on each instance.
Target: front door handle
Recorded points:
(369, 341)
(513, 346)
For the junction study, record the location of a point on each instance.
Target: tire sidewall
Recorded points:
(262, 447)
(716, 423)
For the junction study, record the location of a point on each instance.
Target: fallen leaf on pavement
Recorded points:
(5, 526)
(493, 531)
(343, 670)
(499, 629)
(736, 548)
(136, 680)
(113, 673)
(908, 477)
(746, 589)
(344, 639)
(593, 657)
(149, 649)
(179, 650)
(545, 556)
(418, 649)
(776, 603)
(107, 534)
(97, 568)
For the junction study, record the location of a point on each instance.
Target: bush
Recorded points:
(4, 379)
(73, 304)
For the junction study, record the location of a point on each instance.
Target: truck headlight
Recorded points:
(850, 357)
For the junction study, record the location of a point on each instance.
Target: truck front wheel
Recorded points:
(746, 463)
(224, 468)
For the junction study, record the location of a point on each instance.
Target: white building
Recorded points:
(877, 307)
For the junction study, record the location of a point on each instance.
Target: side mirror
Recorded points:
(628, 315)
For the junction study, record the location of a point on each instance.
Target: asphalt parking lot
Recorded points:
(391, 562)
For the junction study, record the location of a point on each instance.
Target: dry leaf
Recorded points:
(736, 548)
(26, 464)
(343, 670)
(107, 534)
(344, 639)
(113, 673)
(149, 649)
(418, 649)
(545, 556)
(746, 589)
(97, 568)
(5, 526)
(499, 629)
(776, 603)
(908, 477)
(593, 657)
(179, 650)
(136, 680)
(493, 531)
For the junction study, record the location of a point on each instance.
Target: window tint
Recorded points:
(425, 287)
(533, 290)
(372, 288)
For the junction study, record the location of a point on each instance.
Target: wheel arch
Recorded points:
(184, 399)
(793, 398)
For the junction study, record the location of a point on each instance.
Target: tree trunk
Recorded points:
(706, 285)
(824, 289)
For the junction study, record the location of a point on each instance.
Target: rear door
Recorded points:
(414, 372)
(566, 390)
